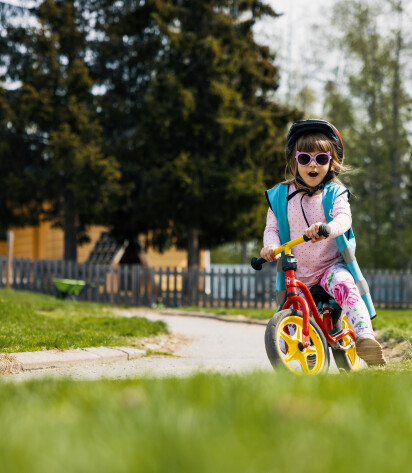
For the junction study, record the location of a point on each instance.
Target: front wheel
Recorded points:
(349, 359)
(283, 341)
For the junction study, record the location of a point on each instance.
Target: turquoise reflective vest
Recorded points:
(277, 199)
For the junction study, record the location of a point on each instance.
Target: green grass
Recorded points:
(32, 322)
(50, 304)
(260, 422)
(394, 324)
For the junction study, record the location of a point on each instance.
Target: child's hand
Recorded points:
(312, 232)
(268, 253)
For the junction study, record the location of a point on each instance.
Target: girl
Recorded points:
(314, 153)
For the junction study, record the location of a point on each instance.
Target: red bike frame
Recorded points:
(307, 305)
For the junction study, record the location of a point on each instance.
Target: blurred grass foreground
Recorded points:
(259, 422)
(32, 322)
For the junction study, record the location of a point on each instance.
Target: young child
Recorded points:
(314, 153)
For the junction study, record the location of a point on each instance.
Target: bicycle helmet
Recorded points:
(304, 127)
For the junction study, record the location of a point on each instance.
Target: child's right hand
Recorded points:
(268, 253)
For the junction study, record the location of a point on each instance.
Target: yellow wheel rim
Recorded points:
(299, 360)
(353, 358)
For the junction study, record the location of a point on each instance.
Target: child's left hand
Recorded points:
(312, 232)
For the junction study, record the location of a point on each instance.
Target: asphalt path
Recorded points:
(203, 345)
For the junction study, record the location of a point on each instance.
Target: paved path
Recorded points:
(205, 344)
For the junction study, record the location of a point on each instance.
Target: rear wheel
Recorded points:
(283, 341)
(347, 360)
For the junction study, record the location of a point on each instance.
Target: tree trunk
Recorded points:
(409, 267)
(394, 149)
(70, 238)
(243, 253)
(193, 251)
(135, 254)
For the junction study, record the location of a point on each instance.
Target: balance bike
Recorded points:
(296, 341)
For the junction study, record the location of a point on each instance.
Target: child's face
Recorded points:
(313, 174)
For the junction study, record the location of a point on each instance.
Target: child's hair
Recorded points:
(310, 143)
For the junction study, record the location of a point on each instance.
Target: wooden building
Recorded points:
(45, 242)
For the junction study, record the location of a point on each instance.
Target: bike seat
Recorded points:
(320, 295)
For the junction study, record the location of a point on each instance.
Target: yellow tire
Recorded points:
(283, 341)
(347, 360)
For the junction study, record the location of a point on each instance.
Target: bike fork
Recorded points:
(293, 299)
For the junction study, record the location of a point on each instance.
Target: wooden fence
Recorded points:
(222, 286)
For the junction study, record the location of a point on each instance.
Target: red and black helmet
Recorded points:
(305, 127)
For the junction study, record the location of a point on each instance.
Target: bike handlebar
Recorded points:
(256, 263)
(324, 230)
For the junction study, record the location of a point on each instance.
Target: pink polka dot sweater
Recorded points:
(313, 258)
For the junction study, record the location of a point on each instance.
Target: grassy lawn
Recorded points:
(32, 322)
(394, 324)
(208, 423)
(260, 422)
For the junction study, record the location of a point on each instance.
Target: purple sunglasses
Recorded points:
(304, 158)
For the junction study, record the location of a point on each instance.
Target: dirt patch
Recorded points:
(394, 350)
(166, 343)
(163, 344)
(9, 364)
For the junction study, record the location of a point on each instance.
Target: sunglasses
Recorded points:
(321, 159)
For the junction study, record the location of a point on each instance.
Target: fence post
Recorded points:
(387, 288)
(183, 291)
(175, 287)
(96, 289)
(38, 273)
(159, 296)
(204, 296)
(212, 288)
(153, 286)
(118, 274)
(111, 295)
(134, 292)
(9, 260)
(168, 286)
(125, 270)
(227, 287)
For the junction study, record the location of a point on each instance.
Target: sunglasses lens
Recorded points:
(304, 159)
(322, 159)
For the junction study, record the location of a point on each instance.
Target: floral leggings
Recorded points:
(339, 283)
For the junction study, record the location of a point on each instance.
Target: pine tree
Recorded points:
(53, 112)
(199, 134)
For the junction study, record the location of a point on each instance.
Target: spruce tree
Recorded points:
(53, 112)
(190, 108)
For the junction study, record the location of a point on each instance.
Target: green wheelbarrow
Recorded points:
(70, 288)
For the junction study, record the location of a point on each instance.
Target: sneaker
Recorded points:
(370, 350)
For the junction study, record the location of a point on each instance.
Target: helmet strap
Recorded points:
(311, 192)
(329, 176)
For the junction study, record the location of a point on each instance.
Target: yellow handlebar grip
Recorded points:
(295, 242)
(287, 246)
